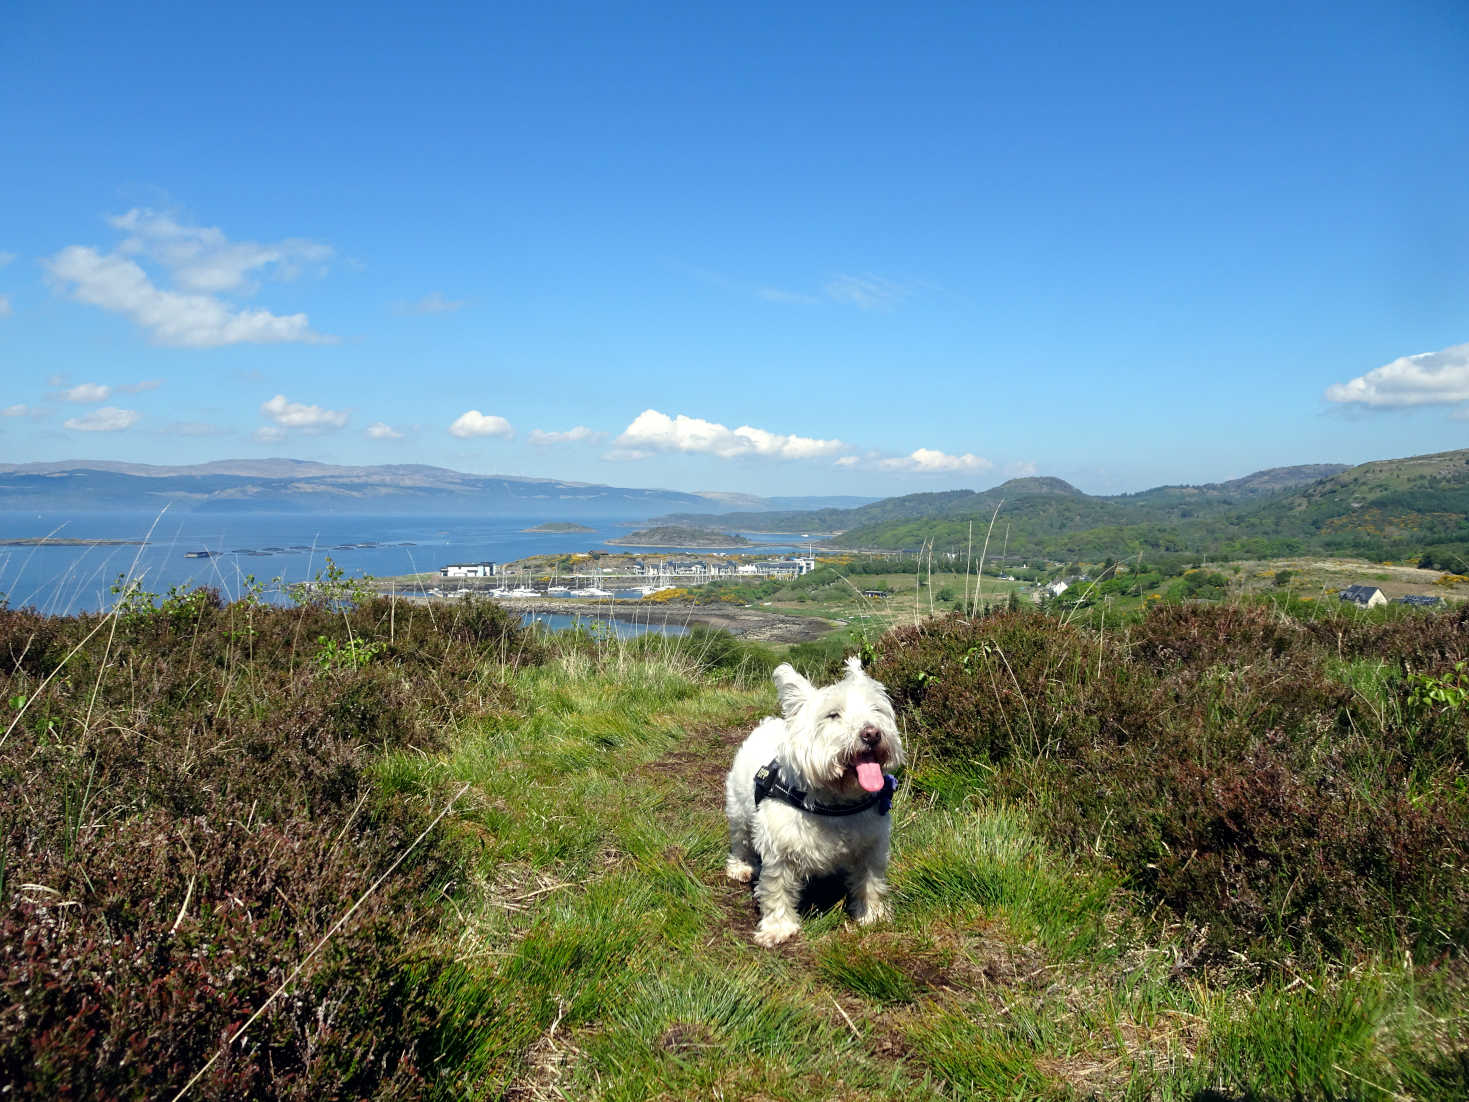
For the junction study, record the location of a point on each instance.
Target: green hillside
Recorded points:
(1384, 509)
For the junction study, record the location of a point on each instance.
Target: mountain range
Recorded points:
(1391, 508)
(292, 485)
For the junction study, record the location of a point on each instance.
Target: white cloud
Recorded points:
(117, 284)
(20, 409)
(379, 430)
(203, 259)
(848, 461)
(269, 434)
(296, 415)
(1429, 378)
(868, 292)
(929, 461)
(434, 303)
(202, 264)
(104, 419)
(87, 392)
(1021, 468)
(656, 431)
(138, 388)
(474, 423)
(5, 310)
(579, 434)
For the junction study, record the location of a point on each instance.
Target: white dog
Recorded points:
(807, 797)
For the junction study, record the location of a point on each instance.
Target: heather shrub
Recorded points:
(193, 811)
(1216, 755)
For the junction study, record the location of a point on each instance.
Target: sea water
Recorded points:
(270, 550)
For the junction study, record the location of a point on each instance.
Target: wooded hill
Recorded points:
(1396, 508)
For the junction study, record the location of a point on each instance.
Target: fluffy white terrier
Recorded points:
(822, 801)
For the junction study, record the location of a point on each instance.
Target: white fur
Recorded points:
(814, 740)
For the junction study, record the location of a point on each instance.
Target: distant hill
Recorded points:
(679, 536)
(1385, 508)
(292, 485)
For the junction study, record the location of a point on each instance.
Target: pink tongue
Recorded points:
(869, 776)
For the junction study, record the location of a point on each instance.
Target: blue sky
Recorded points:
(776, 248)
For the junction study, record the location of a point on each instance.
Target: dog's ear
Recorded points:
(794, 689)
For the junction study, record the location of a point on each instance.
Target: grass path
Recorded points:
(602, 953)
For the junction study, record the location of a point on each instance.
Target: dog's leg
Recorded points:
(867, 891)
(778, 891)
(743, 860)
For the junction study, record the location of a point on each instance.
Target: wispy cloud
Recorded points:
(203, 265)
(5, 307)
(473, 423)
(91, 393)
(380, 430)
(434, 303)
(655, 431)
(6, 258)
(775, 294)
(20, 409)
(866, 292)
(105, 419)
(296, 415)
(202, 258)
(87, 393)
(1429, 378)
(579, 434)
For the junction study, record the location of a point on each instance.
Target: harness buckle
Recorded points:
(764, 778)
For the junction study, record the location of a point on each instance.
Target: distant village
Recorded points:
(644, 576)
(648, 575)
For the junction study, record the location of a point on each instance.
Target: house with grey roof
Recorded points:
(1363, 596)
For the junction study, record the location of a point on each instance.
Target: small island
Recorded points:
(706, 539)
(66, 541)
(561, 526)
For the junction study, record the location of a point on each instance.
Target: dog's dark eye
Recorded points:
(833, 715)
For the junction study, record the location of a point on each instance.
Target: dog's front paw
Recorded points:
(868, 903)
(770, 934)
(872, 914)
(741, 872)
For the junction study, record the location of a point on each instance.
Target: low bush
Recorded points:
(1219, 759)
(193, 810)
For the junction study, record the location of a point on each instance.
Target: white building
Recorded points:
(468, 570)
(1363, 596)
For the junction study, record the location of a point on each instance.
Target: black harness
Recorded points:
(769, 783)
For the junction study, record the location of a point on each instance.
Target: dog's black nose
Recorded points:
(870, 735)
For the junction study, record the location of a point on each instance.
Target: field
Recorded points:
(1201, 852)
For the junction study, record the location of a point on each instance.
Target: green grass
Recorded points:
(604, 955)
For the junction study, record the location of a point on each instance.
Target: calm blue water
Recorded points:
(288, 547)
(622, 629)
